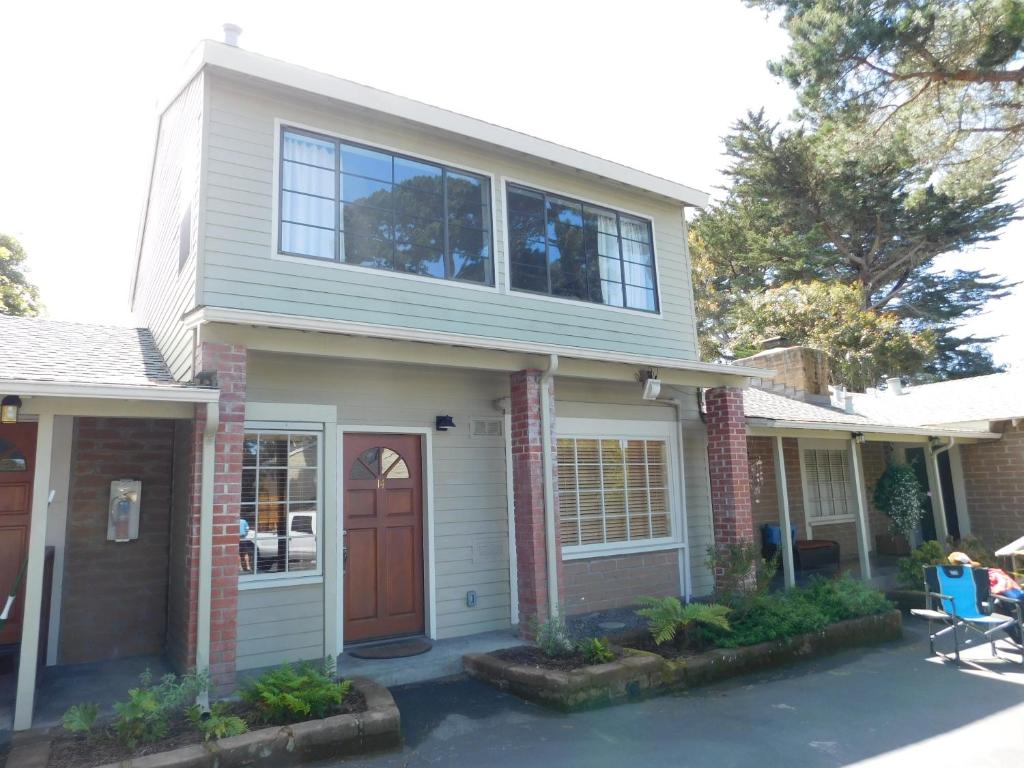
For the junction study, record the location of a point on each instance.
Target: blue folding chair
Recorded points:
(958, 596)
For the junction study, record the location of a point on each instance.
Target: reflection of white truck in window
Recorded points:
(301, 544)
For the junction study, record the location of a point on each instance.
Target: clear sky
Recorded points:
(652, 84)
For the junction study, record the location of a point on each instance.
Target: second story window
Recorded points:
(357, 205)
(567, 248)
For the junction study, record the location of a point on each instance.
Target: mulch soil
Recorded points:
(667, 650)
(74, 751)
(530, 656)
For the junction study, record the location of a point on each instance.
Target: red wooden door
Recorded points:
(383, 536)
(17, 461)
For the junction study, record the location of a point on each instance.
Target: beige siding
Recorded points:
(278, 624)
(163, 291)
(470, 512)
(239, 270)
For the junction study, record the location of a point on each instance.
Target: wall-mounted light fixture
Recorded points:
(444, 423)
(9, 409)
(648, 378)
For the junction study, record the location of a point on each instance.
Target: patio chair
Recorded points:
(958, 596)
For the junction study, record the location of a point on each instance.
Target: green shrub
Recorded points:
(596, 651)
(910, 574)
(288, 694)
(145, 717)
(80, 718)
(742, 571)
(668, 619)
(219, 723)
(845, 598)
(899, 495)
(552, 637)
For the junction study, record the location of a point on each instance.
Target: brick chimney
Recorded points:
(799, 371)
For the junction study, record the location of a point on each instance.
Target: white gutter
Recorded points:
(169, 393)
(549, 493)
(684, 555)
(884, 429)
(939, 502)
(205, 599)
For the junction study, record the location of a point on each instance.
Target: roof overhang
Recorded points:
(140, 392)
(895, 433)
(272, 332)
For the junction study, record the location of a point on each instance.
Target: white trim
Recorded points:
(169, 393)
(835, 520)
(862, 524)
(290, 412)
(205, 315)
(632, 429)
(883, 429)
(244, 62)
(427, 457)
(510, 504)
(289, 578)
(782, 496)
(507, 254)
(278, 255)
(956, 470)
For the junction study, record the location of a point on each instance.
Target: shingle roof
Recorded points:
(759, 404)
(36, 350)
(980, 398)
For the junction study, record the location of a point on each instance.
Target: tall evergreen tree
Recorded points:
(17, 295)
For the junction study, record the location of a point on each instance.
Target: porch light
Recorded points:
(9, 409)
(444, 423)
(649, 381)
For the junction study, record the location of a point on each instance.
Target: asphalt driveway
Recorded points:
(888, 705)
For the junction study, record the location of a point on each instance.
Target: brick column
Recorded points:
(527, 475)
(229, 363)
(728, 465)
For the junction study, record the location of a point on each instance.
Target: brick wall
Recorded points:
(994, 485)
(728, 466)
(114, 601)
(601, 583)
(527, 475)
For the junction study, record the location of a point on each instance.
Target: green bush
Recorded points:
(552, 637)
(910, 574)
(668, 619)
(899, 495)
(145, 717)
(80, 718)
(845, 598)
(288, 694)
(596, 651)
(741, 570)
(218, 723)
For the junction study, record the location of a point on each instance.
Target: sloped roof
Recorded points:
(52, 351)
(759, 404)
(980, 398)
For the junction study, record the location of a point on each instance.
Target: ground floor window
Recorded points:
(613, 491)
(278, 529)
(827, 480)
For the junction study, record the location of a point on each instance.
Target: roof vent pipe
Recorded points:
(231, 34)
(895, 385)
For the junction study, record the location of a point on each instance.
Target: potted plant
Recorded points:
(899, 495)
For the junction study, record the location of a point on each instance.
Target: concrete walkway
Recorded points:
(889, 705)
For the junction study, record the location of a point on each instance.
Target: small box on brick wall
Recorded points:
(123, 512)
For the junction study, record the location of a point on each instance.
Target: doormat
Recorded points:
(393, 650)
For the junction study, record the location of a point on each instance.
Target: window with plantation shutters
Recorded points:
(613, 491)
(827, 478)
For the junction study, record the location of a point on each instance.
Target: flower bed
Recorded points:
(641, 673)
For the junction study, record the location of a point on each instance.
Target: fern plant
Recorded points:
(81, 718)
(596, 651)
(288, 694)
(218, 723)
(668, 619)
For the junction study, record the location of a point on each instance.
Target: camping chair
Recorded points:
(963, 602)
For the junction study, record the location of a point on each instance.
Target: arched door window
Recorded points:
(380, 463)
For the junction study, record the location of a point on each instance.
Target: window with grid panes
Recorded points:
(278, 530)
(612, 491)
(827, 474)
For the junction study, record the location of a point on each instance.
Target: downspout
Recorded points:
(684, 560)
(206, 546)
(549, 493)
(940, 500)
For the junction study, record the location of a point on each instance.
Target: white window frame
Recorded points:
(612, 429)
(810, 520)
(288, 579)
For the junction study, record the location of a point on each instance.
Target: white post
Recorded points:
(935, 491)
(863, 532)
(204, 600)
(26, 692)
(788, 567)
(332, 542)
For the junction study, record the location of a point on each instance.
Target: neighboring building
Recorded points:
(390, 383)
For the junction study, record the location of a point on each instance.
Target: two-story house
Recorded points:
(403, 372)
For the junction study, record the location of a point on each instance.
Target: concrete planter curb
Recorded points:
(376, 729)
(640, 674)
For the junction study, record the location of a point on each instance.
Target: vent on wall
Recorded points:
(485, 428)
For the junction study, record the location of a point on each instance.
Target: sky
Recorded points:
(651, 84)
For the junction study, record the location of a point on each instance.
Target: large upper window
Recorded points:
(357, 205)
(279, 524)
(613, 492)
(563, 247)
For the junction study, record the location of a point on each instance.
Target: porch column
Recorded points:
(788, 569)
(528, 493)
(29, 653)
(217, 626)
(935, 492)
(859, 492)
(728, 466)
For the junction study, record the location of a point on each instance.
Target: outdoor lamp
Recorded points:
(9, 409)
(443, 423)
